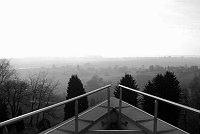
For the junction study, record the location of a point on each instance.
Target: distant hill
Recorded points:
(105, 62)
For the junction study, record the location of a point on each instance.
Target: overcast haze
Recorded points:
(102, 28)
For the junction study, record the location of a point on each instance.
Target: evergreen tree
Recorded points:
(20, 124)
(165, 86)
(75, 88)
(127, 95)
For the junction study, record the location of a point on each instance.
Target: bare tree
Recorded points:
(6, 70)
(41, 88)
(14, 93)
(50, 95)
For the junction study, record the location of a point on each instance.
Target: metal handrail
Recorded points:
(18, 118)
(155, 105)
(164, 100)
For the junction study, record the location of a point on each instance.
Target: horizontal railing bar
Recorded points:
(114, 131)
(10, 121)
(81, 114)
(164, 100)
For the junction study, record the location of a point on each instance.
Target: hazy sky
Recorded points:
(103, 28)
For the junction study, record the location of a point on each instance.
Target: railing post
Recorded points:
(120, 104)
(76, 116)
(108, 98)
(155, 116)
(6, 130)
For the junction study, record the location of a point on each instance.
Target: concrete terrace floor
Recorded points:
(96, 119)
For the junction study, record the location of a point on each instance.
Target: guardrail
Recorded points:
(155, 104)
(13, 120)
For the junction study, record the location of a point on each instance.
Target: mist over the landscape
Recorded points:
(109, 69)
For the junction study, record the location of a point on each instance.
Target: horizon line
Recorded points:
(99, 56)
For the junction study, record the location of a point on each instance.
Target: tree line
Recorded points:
(168, 87)
(19, 96)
